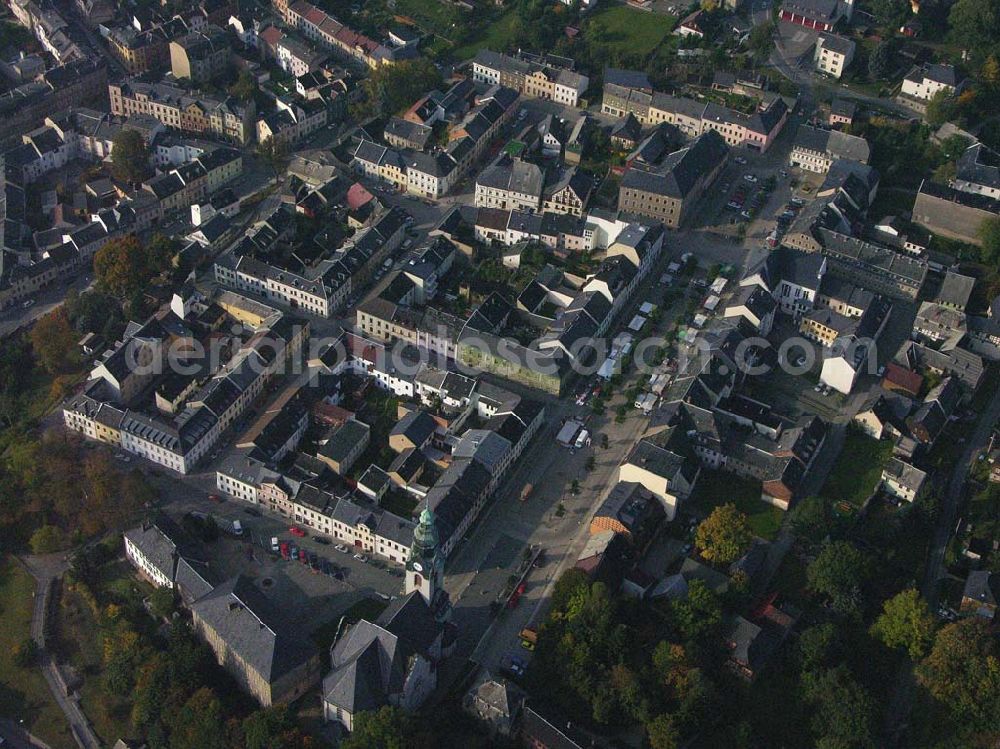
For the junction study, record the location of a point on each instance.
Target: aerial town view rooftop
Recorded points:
(414, 374)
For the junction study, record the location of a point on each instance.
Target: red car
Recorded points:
(298, 532)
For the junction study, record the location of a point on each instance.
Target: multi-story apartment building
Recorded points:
(432, 174)
(142, 51)
(201, 55)
(815, 150)
(538, 78)
(224, 118)
(323, 29)
(325, 287)
(669, 192)
(833, 54)
(79, 83)
(922, 82)
(629, 92)
(510, 184)
(271, 660)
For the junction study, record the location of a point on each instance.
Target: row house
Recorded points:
(323, 29)
(78, 83)
(192, 182)
(433, 174)
(224, 118)
(290, 122)
(536, 78)
(629, 92)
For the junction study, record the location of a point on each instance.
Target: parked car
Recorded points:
(341, 548)
(297, 532)
(211, 497)
(752, 179)
(361, 557)
(252, 512)
(322, 541)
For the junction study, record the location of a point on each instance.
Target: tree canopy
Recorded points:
(54, 342)
(124, 266)
(724, 536)
(962, 671)
(839, 572)
(392, 88)
(129, 156)
(906, 622)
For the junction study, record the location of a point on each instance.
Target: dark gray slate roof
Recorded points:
(252, 629)
(681, 169)
(980, 165)
(371, 660)
(156, 546)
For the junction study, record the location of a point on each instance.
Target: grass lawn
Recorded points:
(496, 36)
(24, 694)
(621, 30)
(715, 488)
(432, 15)
(857, 471)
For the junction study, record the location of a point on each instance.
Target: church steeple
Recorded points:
(425, 567)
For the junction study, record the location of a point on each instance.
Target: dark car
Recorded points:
(252, 512)
(322, 541)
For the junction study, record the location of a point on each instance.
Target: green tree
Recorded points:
(199, 724)
(819, 648)
(26, 653)
(880, 60)
(906, 622)
(120, 266)
(724, 536)
(699, 613)
(124, 266)
(129, 156)
(962, 671)
(975, 26)
(989, 236)
(273, 153)
(47, 539)
(845, 711)
(839, 572)
(95, 311)
(245, 86)
(810, 519)
(54, 342)
(761, 40)
(392, 88)
(662, 733)
(161, 602)
(272, 729)
(940, 108)
(385, 728)
(890, 14)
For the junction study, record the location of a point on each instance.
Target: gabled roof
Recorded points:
(252, 629)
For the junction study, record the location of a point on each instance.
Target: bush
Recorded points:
(47, 539)
(26, 653)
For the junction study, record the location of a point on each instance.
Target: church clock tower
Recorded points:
(425, 567)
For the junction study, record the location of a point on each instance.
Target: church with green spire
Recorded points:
(425, 564)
